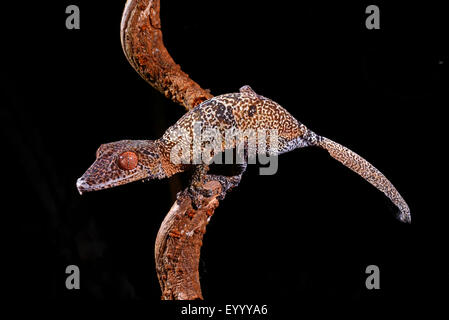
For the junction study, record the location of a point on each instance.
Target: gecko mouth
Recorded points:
(83, 186)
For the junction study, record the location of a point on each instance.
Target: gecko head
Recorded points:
(122, 162)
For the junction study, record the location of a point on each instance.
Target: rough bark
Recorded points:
(142, 43)
(178, 245)
(180, 237)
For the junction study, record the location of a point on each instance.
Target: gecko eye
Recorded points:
(127, 160)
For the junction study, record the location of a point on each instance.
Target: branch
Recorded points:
(178, 245)
(142, 43)
(179, 240)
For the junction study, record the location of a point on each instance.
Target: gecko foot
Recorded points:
(202, 185)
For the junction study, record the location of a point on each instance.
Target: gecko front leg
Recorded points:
(201, 187)
(228, 182)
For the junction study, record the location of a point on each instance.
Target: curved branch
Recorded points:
(142, 43)
(179, 240)
(178, 245)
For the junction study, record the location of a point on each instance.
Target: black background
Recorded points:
(305, 234)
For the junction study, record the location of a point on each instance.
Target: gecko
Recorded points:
(125, 161)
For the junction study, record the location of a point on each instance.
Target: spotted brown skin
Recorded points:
(107, 171)
(243, 110)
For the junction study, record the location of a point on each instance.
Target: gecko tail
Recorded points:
(368, 172)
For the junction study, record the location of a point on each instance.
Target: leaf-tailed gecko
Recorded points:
(126, 161)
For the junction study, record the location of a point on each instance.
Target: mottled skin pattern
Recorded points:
(105, 172)
(243, 110)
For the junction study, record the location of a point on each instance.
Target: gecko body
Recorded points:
(126, 161)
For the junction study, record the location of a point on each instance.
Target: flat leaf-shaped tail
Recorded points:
(365, 169)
